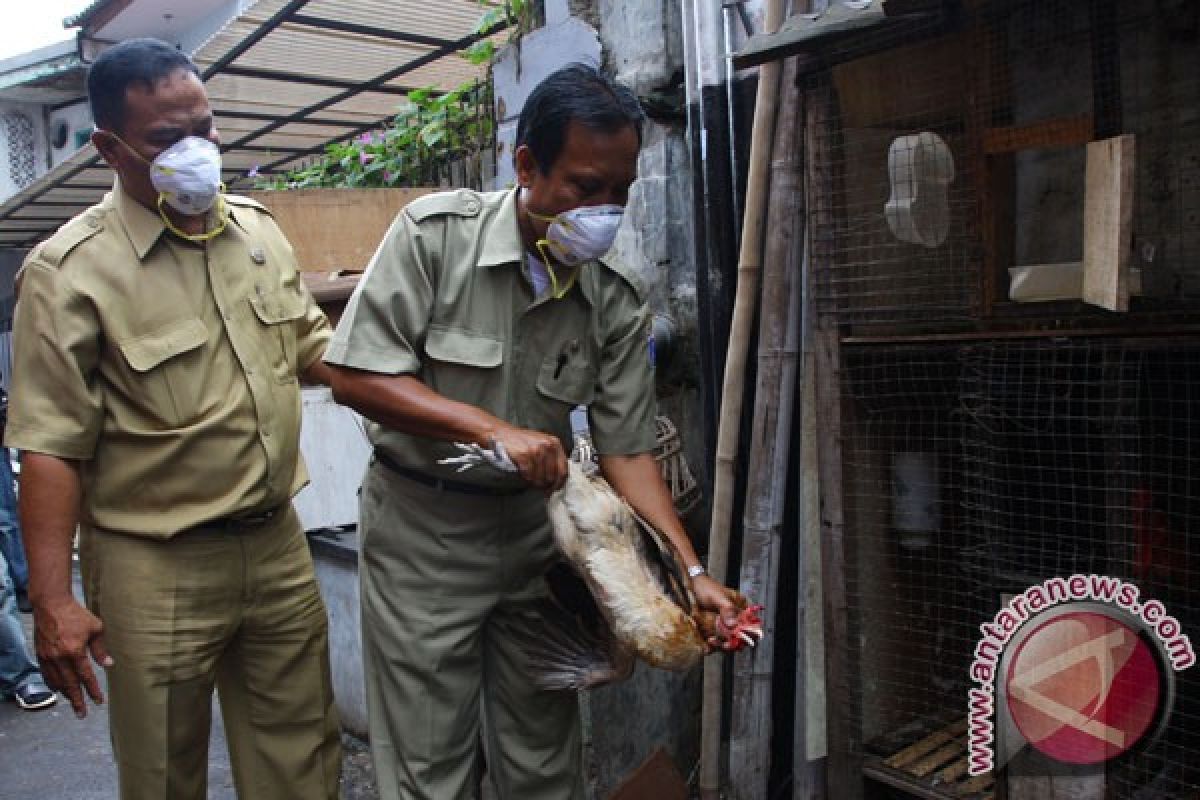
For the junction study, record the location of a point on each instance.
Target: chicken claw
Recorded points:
(474, 454)
(746, 632)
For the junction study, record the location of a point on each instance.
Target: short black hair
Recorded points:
(574, 93)
(141, 62)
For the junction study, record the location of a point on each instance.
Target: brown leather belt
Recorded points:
(445, 484)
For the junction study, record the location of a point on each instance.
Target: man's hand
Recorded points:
(539, 456)
(712, 596)
(64, 634)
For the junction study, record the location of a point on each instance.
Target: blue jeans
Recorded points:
(16, 663)
(10, 529)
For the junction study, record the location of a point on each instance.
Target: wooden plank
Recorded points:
(335, 229)
(927, 745)
(894, 85)
(937, 758)
(876, 770)
(656, 779)
(1108, 222)
(1066, 132)
(975, 784)
(767, 490)
(844, 770)
(952, 772)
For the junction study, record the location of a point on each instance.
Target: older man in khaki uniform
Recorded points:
(157, 349)
(486, 318)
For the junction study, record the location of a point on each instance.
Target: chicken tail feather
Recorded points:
(560, 654)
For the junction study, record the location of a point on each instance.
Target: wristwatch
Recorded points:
(696, 571)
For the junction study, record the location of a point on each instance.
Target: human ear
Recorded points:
(526, 166)
(109, 147)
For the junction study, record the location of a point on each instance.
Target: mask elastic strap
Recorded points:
(555, 291)
(222, 220)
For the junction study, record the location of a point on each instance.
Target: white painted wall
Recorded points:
(77, 118)
(34, 113)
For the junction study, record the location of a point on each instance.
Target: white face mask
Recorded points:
(187, 175)
(579, 235)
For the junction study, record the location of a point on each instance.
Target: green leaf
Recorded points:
(491, 19)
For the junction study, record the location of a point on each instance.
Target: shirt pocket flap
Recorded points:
(147, 352)
(278, 306)
(464, 347)
(571, 383)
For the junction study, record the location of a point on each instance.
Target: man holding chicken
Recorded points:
(484, 319)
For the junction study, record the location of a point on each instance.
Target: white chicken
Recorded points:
(642, 603)
(623, 596)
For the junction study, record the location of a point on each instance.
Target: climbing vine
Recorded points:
(434, 130)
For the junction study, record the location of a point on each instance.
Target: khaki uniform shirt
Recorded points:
(168, 369)
(447, 298)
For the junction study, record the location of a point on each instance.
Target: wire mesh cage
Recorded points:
(975, 470)
(976, 170)
(960, 151)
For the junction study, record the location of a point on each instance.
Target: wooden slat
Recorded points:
(927, 745)
(1108, 222)
(953, 771)
(1067, 132)
(937, 758)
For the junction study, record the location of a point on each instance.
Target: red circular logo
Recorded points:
(1083, 687)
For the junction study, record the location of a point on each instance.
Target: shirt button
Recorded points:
(472, 206)
(249, 373)
(266, 434)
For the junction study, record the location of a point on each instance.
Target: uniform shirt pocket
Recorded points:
(278, 310)
(567, 380)
(466, 365)
(164, 373)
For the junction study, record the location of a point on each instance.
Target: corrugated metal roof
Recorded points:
(285, 78)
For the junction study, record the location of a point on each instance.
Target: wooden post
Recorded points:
(745, 300)
(843, 772)
(767, 475)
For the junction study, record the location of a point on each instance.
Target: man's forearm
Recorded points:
(637, 479)
(403, 403)
(49, 511)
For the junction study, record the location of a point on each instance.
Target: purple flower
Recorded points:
(387, 176)
(253, 173)
(364, 157)
(367, 138)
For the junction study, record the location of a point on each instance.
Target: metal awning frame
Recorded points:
(22, 208)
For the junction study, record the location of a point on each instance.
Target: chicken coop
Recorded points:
(1003, 209)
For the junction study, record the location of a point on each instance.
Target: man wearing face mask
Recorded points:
(158, 339)
(485, 319)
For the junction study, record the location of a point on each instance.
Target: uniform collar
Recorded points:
(502, 244)
(502, 235)
(143, 225)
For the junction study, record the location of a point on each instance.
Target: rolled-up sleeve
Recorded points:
(621, 416)
(385, 321)
(55, 405)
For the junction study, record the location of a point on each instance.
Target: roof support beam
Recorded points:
(368, 30)
(259, 116)
(312, 80)
(370, 85)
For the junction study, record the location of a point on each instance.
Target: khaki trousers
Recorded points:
(439, 571)
(235, 607)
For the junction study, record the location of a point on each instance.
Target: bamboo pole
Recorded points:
(749, 262)
(770, 445)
